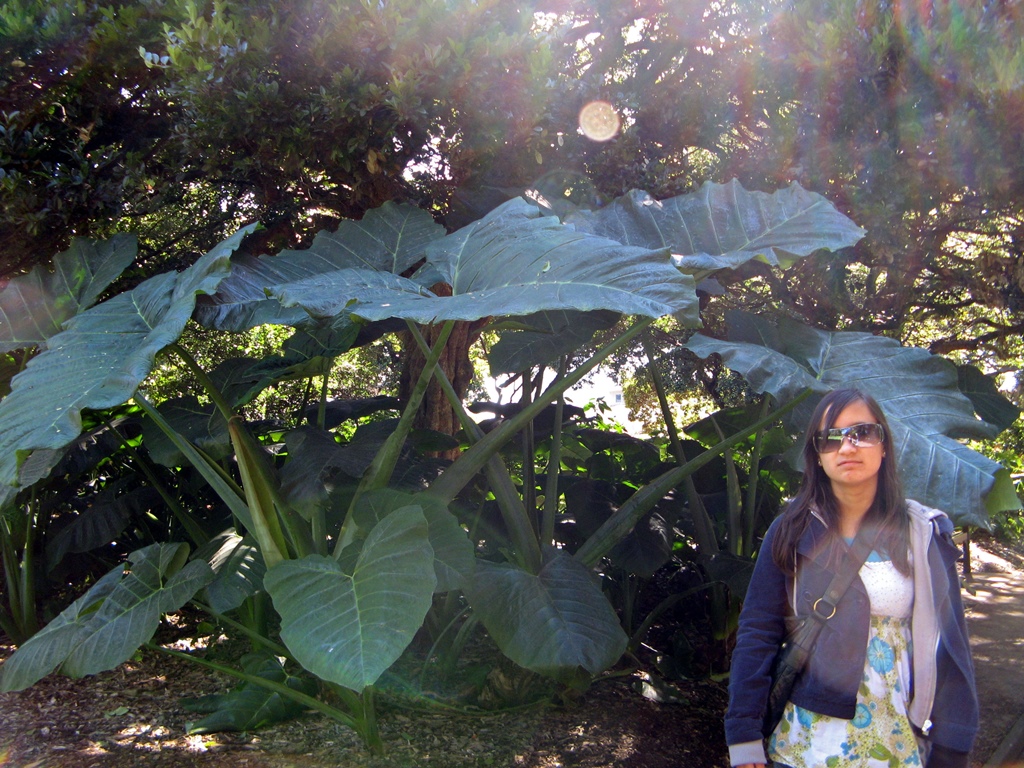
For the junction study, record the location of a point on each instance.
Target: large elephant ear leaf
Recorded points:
(348, 628)
(250, 706)
(551, 623)
(454, 561)
(101, 358)
(388, 239)
(46, 650)
(917, 390)
(159, 581)
(238, 570)
(513, 262)
(202, 425)
(544, 337)
(34, 306)
(721, 226)
(984, 395)
(107, 625)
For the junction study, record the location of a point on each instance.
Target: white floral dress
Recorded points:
(879, 735)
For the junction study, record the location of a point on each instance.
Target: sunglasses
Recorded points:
(860, 435)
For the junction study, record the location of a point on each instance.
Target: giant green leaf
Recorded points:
(551, 623)
(107, 515)
(33, 307)
(453, 551)
(542, 338)
(514, 262)
(49, 647)
(250, 706)
(118, 614)
(917, 390)
(390, 239)
(238, 570)
(723, 225)
(202, 425)
(984, 395)
(158, 581)
(100, 358)
(349, 627)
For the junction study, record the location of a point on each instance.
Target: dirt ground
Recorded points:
(132, 716)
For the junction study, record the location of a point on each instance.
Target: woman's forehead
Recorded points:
(857, 412)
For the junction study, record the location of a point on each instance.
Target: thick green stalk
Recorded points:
(318, 518)
(529, 453)
(666, 410)
(12, 576)
(321, 409)
(27, 586)
(554, 468)
(259, 495)
(209, 387)
(524, 540)
(459, 474)
(641, 502)
(732, 492)
(383, 466)
(704, 529)
(222, 484)
(753, 479)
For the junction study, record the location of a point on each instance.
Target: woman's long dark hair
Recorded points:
(888, 512)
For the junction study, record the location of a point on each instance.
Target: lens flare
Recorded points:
(599, 121)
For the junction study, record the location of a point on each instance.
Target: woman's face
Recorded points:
(852, 467)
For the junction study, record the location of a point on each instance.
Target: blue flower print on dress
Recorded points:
(804, 716)
(863, 717)
(880, 655)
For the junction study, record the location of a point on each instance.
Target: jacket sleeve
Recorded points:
(762, 629)
(955, 711)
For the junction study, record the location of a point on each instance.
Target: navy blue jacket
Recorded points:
(829, 683)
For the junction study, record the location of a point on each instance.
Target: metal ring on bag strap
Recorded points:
(815, 609)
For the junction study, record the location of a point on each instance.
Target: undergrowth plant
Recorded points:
(330, 554)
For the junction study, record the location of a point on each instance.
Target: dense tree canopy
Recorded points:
(180, 119)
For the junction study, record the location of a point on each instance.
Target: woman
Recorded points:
(863, 699)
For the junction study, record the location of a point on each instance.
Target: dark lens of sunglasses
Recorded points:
(823, 444)
(867, 434)
(859, 434)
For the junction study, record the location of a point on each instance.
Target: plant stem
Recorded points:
(256, 637)
(383, 465)
(29, 621)
(666, 411)
(280, 688)
(529, 452)
(554, 468)
(209, 387)
(259, 495)
(321, 410)
(753, 479)
(458, 475)
(188, 522)
(222, 483)
(12, 577)
(513, 513)
(641, 502)
(732, 493)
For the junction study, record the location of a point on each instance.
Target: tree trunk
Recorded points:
(436, 413)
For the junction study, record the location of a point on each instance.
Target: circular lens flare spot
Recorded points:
(599, 121)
